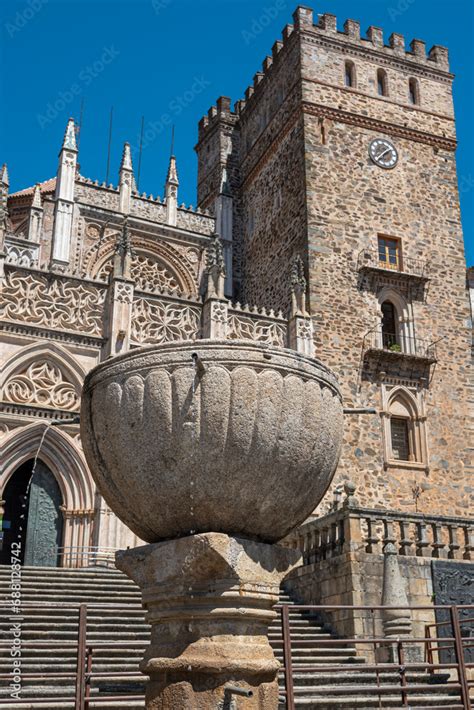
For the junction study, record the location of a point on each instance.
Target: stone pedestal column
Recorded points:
(209, 599)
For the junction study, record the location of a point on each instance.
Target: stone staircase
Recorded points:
(57, 626)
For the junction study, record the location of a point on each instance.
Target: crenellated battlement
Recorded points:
(221, 111)
(412, 57)
(437, 57)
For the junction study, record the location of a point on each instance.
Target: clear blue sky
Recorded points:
(169, 60)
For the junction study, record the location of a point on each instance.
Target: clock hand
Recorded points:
(387, 150)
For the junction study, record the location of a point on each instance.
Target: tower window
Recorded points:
(404, 429)
(414, 91)
(349, 74)
(382, 83)
(399, 429)
(389, 253)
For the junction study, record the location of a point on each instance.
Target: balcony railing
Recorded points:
(399, 344)
(407, 266)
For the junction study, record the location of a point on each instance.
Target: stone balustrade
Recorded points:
(350, 527)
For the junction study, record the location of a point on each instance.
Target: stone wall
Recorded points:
(307, 185)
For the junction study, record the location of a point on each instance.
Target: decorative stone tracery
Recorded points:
(147, 273)
(159, 322)
(55, 303)
(42, 383)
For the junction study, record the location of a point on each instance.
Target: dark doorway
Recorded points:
(389, 325)
(32, 516)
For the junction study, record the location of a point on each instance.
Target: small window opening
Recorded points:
(382, 84)
(349, 74)
(400, 439)
(389, 325)
(413, 92)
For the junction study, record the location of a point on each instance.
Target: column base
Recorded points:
(209, 600)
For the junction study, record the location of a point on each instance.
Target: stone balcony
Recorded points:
(407, 274)
(395, 346)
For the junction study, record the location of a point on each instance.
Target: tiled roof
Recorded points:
(46, 187)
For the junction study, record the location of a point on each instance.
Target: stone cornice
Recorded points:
(383, 99)
(374, 124)
(376, 55)
(27, 329)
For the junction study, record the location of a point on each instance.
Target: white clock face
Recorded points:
(383, 153)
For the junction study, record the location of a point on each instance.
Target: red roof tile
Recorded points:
(46, 187)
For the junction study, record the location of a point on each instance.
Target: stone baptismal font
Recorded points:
(212, 451)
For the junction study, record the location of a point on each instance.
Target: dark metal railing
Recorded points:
(407, 345)
(459, 688)
(399, 263)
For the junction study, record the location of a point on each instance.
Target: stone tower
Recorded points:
(343, 153)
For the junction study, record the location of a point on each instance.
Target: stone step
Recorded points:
(62, 635)
(319, 651)
(69, 705)
(332, 689)
(390, 702)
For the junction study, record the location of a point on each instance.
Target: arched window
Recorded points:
(404, 441)
(390, 329)
(382, 83)
(349, 74)
(414, 91)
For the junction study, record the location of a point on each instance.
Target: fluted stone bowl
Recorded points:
(212, 436)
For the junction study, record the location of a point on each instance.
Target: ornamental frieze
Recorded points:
(55, 303)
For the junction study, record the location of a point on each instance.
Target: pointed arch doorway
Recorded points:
(33, 516)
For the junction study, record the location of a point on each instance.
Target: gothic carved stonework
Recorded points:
(21, 255)
(219, 312)
(147, 273)
(159, 322)
(56, 303)
(242, 327)
(42, 383)
(123, 293)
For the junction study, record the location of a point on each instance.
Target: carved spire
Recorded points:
(4, 185)
(126, 163)
(65, 182)
(298, 287)
(171, 193)
(35, 219)
(123, 252)
(37, 196)
(4, 179)
(215, 268)
(172, 177)
(69, 142)
(127, 180)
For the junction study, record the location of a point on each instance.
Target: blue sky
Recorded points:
(168, 60)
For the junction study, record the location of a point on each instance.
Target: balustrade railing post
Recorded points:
(81, 657)
(290, 696)
(454, 545)
(459, 653)
(468, 531)
(372, 539)
(422, 543)
(405, 541)
(439, 548)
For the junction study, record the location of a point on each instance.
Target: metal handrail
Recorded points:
(84, 674)
(405, 265)
(399, 343)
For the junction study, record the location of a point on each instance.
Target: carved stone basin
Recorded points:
(244, 439)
